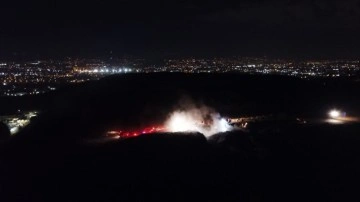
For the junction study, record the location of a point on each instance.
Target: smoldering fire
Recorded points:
(188, 117)
(198, 120)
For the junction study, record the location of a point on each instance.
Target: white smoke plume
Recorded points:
(196, 119)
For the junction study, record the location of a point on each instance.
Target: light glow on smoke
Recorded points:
(181, 122)
(187, 117)
(202, 120)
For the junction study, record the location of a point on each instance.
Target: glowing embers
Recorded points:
(153, 130)
(118, 134)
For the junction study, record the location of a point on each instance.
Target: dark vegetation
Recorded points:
(4, 132)
(51, 161)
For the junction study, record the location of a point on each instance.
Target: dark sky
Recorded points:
(53, 28)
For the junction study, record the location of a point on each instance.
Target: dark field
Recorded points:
(51, 160)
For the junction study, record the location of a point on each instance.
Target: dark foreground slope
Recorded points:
(166, 167)
(299, 163)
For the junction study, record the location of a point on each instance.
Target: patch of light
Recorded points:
(334, 114)
(197, 120)
(14, 130)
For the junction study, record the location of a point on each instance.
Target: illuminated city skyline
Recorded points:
(40, 76)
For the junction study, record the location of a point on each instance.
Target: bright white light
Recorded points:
(181, 122)
(14, 130)
(223, 125)
(334, 114)
(197, 120)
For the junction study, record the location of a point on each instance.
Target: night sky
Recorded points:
(57, 28)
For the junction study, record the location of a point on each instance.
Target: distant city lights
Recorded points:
(104, 70)
(35, 77)
(18, 121)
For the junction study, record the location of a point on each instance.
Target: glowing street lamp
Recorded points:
(334, 114)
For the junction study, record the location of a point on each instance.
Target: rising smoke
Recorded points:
(196, 118)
